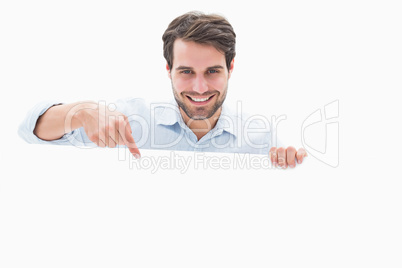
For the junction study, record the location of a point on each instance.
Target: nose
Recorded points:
(200, 84)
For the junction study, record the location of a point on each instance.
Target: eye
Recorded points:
(186, 72)
(213, 71)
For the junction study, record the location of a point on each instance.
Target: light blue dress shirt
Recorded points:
(160, 126)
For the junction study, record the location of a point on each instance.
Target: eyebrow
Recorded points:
(181, 67)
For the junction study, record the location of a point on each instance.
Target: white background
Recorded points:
(70, 207)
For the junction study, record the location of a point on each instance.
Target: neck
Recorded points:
(201, 127)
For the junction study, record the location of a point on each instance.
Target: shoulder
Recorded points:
(252, 130)
(244, 120)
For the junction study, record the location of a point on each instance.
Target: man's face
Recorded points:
(199, 79)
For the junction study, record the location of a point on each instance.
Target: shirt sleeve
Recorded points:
(77, 137)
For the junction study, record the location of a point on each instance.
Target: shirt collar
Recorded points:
(167, 113)
(227, 121)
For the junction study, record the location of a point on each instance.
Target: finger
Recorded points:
(301, 153)
(282, 157)
(116, 136)
(273, 156)
(101, 143)
(94, 138)
(290, 156)
(102, 138)
(106, 137)
(101, 131)
(120, 139)
(131, 143)
(120, 130)
(111, 137)
(125, 133)
(112, 143)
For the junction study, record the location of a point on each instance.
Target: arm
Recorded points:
(102, 126)
(61, 119)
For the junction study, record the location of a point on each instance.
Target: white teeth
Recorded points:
(199, 100)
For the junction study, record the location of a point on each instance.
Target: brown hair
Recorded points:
(198, 27)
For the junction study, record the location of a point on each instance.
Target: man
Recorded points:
(199, 50)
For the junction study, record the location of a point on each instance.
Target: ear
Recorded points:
(231, 68)
(168, 70)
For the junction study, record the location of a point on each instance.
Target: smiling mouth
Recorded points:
(199, 100)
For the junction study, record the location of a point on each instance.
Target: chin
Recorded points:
(199, 117)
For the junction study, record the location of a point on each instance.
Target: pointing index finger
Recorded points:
(126, 134)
